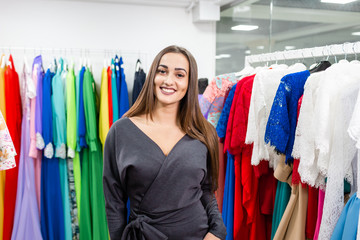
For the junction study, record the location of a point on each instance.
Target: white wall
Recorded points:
(134, 30)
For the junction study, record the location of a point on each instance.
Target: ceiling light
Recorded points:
(247, 52)
(260, 47)
(289, 47)
(244, 27)
(338, 1)
(225, 55)
(356, 33)
(222, 56)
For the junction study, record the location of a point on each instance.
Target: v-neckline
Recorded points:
(153, 142)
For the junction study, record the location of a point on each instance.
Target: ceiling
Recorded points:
(295, 23)
(166, 3)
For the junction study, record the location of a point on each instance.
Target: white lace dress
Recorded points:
(335, 145)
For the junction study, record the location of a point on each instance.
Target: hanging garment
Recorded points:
(213, 98)
(52, 214)
(246, 208)
(38, 75)
(59, 126)
(73, 156)
(7, 149)
(2, 86)
(114, 92)
(26, 219)
(94, 163)
(281, 126)
(304, 144)
(228, 201)
(221, 131)
(342, 148)
(77, 159)
(124, 95)
(13, 120)
(81, 119)
(190, 209)
(263, 93)
(3, 110)
(104, 108)
(319, 213)
(110, 99)
(139, 81)
(118, 78)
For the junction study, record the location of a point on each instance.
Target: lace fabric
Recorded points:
(281, 125)
(341, 147)
(265, 85)
(304, 144)
(49, 151)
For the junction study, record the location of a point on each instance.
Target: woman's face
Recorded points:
(171, 79)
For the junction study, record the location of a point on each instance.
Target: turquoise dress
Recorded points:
(59, 128)
(114, 92)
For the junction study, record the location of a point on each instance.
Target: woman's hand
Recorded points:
(210, 236)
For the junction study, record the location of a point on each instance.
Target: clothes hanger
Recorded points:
(322, 65)
(3, 61)
(354, 50)
(344, 60)
(138, 65)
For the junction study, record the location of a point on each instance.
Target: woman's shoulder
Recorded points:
(120, 126)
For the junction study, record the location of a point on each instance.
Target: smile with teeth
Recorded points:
(167, 90)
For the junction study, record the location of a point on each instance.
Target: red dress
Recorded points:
(249, 223)
(110, 97)
(13, 121)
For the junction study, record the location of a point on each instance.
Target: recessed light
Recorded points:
(244, 27)
(247, 52)
(356, 33)
(290, 47)
(225, 55)
(222, 56)
(260, 47)
(338, 1)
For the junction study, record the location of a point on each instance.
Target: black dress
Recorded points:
(170, 196)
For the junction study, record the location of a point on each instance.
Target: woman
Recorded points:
(163, 155)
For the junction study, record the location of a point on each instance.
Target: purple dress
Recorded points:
(26, 219)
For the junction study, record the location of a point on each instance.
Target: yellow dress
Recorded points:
(104, 107)
(2, 173)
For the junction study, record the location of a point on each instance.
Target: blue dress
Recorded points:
(281, 125)
(224, 117)
(346, 227)
(124, 95)
(52, 215)
(81, 124)
(228, 201)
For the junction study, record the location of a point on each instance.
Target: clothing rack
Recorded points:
(67, 50)
(324, 51)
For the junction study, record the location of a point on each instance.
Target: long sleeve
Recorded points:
(278, 126)
(124, 96)
(104, 108)
(216, 224)
(71, 113)
(115, 194)
(89, 109)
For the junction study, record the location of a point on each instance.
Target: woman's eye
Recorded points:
(161, 71)
(181, 75)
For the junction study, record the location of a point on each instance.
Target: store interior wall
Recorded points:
(136, 31)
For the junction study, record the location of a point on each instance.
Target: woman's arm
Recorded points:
(115, 194)
(216, 224)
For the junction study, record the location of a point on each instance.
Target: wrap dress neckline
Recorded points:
(148, 138)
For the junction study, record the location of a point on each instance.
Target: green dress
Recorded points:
(92, 196)
(282, 197)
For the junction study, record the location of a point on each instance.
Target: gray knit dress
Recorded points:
(170, 196)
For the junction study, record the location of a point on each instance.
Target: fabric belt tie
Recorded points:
(140, 228)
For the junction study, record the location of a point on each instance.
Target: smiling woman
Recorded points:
(163, 156)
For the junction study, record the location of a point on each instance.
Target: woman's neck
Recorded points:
(166, 115)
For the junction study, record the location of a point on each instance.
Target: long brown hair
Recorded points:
(191, 120)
